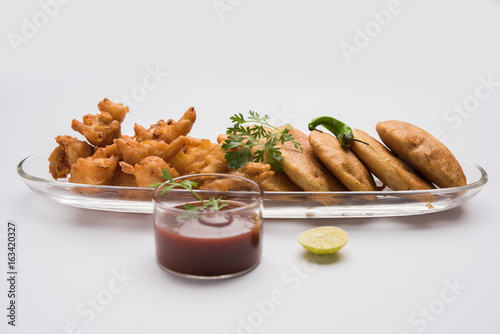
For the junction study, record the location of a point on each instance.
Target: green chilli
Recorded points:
(342, 131)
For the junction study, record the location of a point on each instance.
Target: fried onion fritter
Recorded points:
(167, 131)
(148, 171)
(122, 179)
(255, 171)
(215, 161)
(117, 110)
(107, 151)
(58, 166)
(132, 151)
(279, 182)
(222, 138)
(206, 157)
(92, 170)
(191, 142)
(101, 129)
(65, 155)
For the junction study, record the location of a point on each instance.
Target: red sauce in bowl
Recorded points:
(221, 243)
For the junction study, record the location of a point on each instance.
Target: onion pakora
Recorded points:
(133, 151)
(167, 131)
(102, 164)
(255, 171)
(101, 129)
(65, 155)
(95, 171)
(148, 171)
(199, 156)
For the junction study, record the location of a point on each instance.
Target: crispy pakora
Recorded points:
(122, 179)
(132, 151)
(167, 131)
(117, 110)
(255, 171)
(148, 171)
(107, 151)
(101, 129)
(279, 181)
(92, 170)
(199, 156)
(65, 155)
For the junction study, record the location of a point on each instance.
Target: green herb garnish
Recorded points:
(212, 203)
(242, 139)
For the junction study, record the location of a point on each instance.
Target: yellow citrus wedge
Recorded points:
(323, 240)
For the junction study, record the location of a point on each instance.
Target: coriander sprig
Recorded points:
(212, 203)
(243, 140)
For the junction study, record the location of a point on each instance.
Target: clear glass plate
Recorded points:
(387, 203)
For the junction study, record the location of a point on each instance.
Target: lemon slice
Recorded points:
(323, 240)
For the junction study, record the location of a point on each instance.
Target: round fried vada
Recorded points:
(304, 168)
(342, 162)
(424, 152)
(393, 172)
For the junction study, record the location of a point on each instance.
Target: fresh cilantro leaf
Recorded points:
(191, 207)
(247, 144)
(216, 204)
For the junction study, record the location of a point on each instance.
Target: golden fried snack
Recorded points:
(304, 168)
(215, 161)
(101, 129)
(191, 142)
(66, 154)
(342, 162)
(96, 171)
(423, 152)
(132, 151)
(385, 165)
(222, 138)
(122, 179)
(108, 151)
(148, 171)
(167, 131)
(117, 110)
(206, 157)
(223, 184)
(58, 166)
(279, 182)
(255, 171)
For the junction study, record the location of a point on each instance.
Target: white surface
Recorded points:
(281, 58)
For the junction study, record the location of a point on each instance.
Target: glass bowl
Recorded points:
(195, 240)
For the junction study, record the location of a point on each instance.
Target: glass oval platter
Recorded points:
(385, 203)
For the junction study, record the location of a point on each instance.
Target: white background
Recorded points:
(282, 58)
